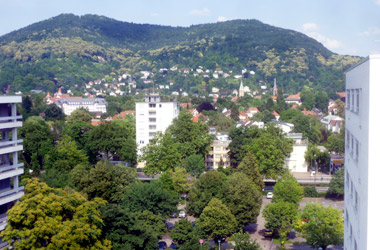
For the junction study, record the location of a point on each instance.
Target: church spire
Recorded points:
(275, 88)
(241, 89)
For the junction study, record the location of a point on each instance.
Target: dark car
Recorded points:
(162, 245)
(173, 246)
(268, 188)
(169, 225)
(268, 233)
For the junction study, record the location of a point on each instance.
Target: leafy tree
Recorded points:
(316, 157)
(53, 113)
(250, 167)
(78, 131)
(38, 141)
(281, 104)
(309, 126)
(182, 139)
(341, 108)
(195, 165)
(288, 115)
(79, 115)
(307, 98)
(104, 180)
(270, 152)
(287, 189)
(210, 185)
(310, 191)
(126, 231)
(243, 198)
(280, 217)
(234, 112)
(110, 140)
(322, 101)
(321, 226)
(335, 143)
(243, 241)
(336, 185)
(27, 106)
(216, 220)
(180, 180)
(48, 218)
(182, 232)
(150, 196)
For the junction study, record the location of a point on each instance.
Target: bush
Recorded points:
(310, 191)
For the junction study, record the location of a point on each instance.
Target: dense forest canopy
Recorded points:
(67, 50)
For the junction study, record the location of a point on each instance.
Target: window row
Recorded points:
(352, 145)
(353, 97)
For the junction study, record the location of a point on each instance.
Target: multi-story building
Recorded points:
(219, 152)
(10, 168)
(362, 171)
(152, 116)
(93, 105)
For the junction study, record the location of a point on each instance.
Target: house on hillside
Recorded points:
(294, 99)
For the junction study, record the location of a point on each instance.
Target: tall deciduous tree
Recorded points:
(53, 113)
(250, 167)
(210, 185)
(336, 185)
(79, 115)
(216, 220)
(150, 196)
(243, 241)
(195, 165)
(243, 198)
(279, 217)
(104, 180)
(48, 218)
(287, 189)
(321, 226)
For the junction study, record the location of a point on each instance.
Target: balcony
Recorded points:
(11, 173)
(11, 195)
(10, 122)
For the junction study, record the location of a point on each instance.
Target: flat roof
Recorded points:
(10, 99)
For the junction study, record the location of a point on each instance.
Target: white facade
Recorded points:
(10, 168)
(93, 105)
(361, 196)
(153, 116)
(296, 162)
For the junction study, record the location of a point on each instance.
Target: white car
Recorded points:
(182, 214)
(269, 195)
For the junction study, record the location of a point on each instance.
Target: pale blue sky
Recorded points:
(344, 26)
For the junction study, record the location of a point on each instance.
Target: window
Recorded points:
(353, 100)
(152, 112)
(151, 134)
(152, 119)
(348, 99)
(357, 100)
(160, 105)
(348, 140)
(356, 150)
(152, 105)
(152, 126)
(352, 145)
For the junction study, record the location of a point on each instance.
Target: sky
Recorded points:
(347, 27)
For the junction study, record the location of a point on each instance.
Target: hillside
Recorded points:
(70, 50)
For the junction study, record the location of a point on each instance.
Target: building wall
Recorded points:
(10, 146)
(153, 117)
(219, 149)
(296, 162)
(361, 167)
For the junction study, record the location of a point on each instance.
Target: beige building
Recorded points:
(219, 150)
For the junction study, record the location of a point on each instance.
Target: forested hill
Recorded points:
(68, 50)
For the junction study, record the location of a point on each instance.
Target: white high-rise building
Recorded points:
(10, 168)
(153, 116)
(362, 177)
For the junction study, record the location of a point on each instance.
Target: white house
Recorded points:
(93, 105)
(296, 161)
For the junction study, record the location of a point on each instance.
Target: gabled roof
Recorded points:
(253, 109)
(275, 113)
(295, 97)
(123, 114)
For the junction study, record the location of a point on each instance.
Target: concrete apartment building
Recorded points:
(10, 168)
(362, 171)
(152, 116)
(219, 150)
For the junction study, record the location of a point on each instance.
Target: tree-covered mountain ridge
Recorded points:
(68, 50)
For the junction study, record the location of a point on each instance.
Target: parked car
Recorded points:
(173, 246)
(269, 195)
(268, 188)
(268, 233)
(162, 245)
(182, 214)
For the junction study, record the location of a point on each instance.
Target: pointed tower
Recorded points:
(241, 89)
(275, 88)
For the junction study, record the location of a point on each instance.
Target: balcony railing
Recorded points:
(8, 143)
(11, 191)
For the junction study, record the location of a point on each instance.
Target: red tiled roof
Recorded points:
(253, 109)
(294, 97)
(275, 113)
(124, 113)
(341, 94)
